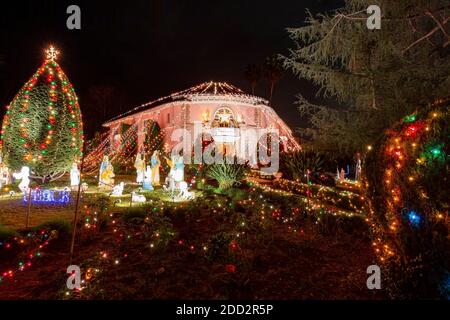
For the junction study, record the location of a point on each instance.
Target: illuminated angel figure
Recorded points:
(24, 174)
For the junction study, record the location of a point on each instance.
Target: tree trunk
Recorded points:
(272, 85)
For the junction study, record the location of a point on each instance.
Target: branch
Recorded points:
(429, 34)
(439, 25)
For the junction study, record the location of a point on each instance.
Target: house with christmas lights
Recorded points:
(225, 110)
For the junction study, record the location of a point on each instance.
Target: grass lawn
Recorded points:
(13, 209)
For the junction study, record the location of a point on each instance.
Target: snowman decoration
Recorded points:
(24, 175)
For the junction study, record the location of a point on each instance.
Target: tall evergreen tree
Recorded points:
(42, 128)
(373, 77)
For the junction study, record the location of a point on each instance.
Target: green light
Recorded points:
(435, 151)
(410, 118)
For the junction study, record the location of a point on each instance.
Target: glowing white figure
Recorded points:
(5, 177)
(184, 191)
(178, 173)
(148, 177)
(358, 169)
(117, 190)
(24, 174)
(137, 197)
(74, 175)
(139, 164)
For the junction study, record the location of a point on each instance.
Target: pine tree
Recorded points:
(42, 128)
(373, 77)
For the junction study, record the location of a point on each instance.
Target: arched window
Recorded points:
(225, 128)
(224, 118)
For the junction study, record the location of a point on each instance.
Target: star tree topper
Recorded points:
(52, 53)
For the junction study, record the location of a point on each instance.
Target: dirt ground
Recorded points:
(288, 265)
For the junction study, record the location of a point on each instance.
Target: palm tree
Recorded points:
(273, 70)
(253, 75)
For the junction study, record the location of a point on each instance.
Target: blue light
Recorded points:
(48, 196)
(445, 286)
(414, 218)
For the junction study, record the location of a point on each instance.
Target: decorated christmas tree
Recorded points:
(42, 128)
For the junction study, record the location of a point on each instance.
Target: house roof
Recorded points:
(204, 91)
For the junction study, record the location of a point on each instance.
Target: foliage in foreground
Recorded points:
(408, 178)
(219, 244)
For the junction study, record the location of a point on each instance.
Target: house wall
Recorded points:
(182, 114)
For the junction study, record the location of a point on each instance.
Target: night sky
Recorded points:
(148, 49)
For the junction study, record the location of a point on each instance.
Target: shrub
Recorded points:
(218, 247)
(60, 225)
(135, 215)
(227, 175)
(100, 204)
(295, 164)
(236, 194)
(161, 231)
